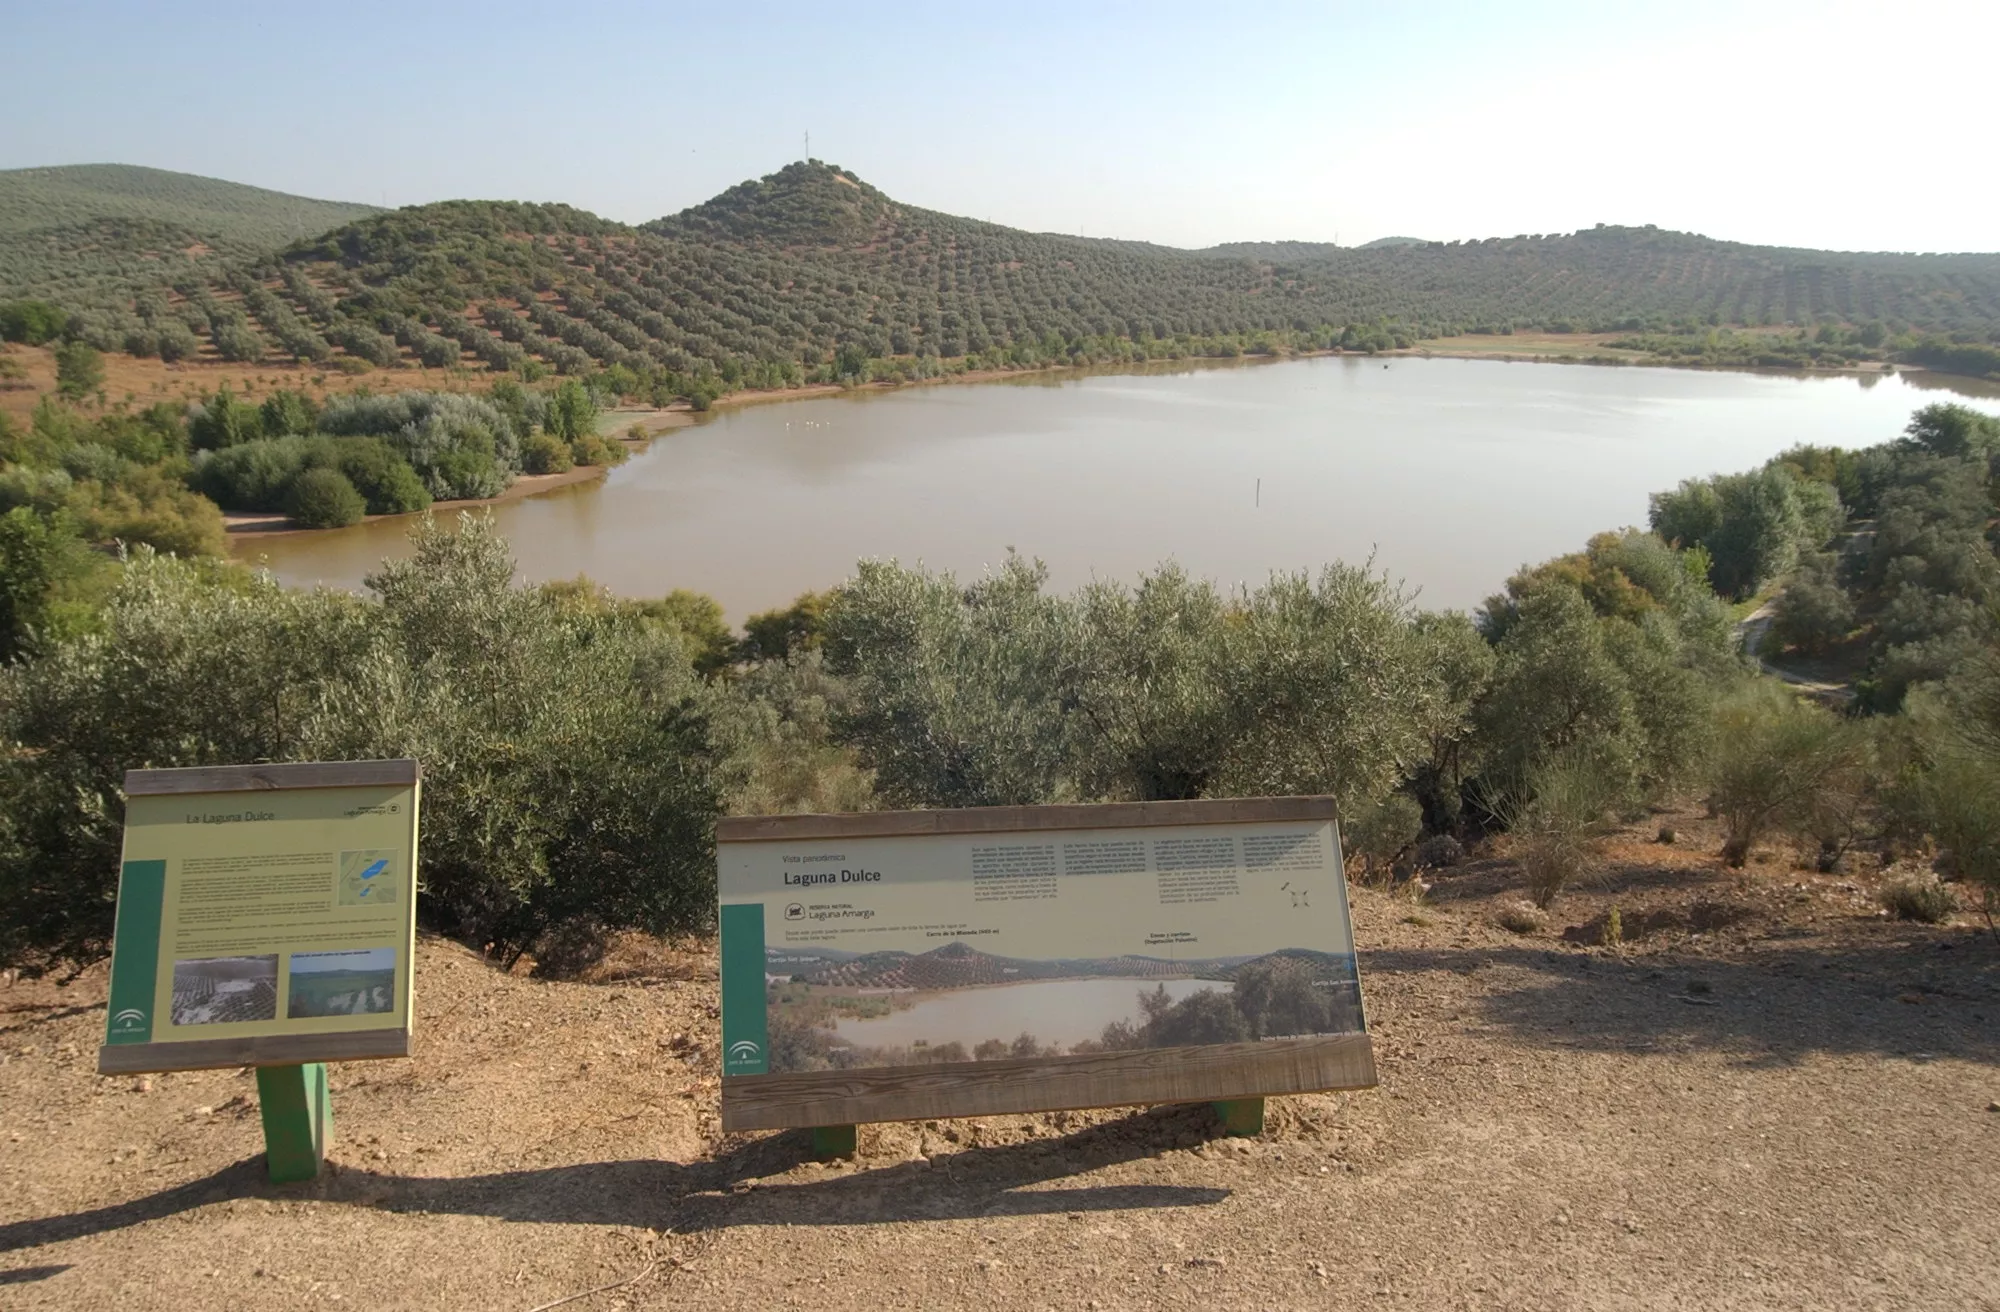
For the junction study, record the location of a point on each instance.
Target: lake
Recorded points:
(1451, 473)
(1064, 1011)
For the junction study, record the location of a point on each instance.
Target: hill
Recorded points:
(87, 234)
(812, 274)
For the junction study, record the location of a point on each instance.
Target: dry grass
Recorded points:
(146, 381)
(1921, 898)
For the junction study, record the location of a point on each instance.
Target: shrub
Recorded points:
(594, 450)
(237, 342)
(177, 341)
(31, 322)
(542, 454)
(465, 475)
(460, 446)
(79, 369)
(1924, 899)
(1555, 820)
(250, 476)
(147, 507)
(1521, 918)
(383, 478)
(323, 498)
(569, 779)
(1440, 852)
(1379, 831)
(1779, 764)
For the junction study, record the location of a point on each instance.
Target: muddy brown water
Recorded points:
(1451, 473)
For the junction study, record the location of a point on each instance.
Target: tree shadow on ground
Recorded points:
(28, 1275)
(722, 1192)
(1488, 879)
(1924, 996)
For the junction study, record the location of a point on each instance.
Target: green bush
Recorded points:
(1555, 817)
(79, 369)
(383, 478)
(323, 498)
(1379, 831)
(1781, 764)
(460, 474)
(594, 450)
(31, 322)
(222, 421)
(572, 412)
(569, 774)
(542, 454)
(251, 476)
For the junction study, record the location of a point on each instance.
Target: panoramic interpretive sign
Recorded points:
(266, 916)
(916, 964)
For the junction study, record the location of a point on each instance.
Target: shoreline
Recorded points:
(243, 525)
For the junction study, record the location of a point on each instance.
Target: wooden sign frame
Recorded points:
(1226, 1073)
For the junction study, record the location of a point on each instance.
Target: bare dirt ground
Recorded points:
(1766, 1096)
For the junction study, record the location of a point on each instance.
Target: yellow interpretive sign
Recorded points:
(266, 916)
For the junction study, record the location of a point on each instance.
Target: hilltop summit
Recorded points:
(807, 203)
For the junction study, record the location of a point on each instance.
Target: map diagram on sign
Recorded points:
(368, 878)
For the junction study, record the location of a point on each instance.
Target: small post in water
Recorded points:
(297, 1109)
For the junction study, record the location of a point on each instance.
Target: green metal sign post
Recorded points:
(297, 1108)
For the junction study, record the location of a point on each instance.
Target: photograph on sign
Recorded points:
(872, 953)
(353, 983)
(217, 990)
(264, 915)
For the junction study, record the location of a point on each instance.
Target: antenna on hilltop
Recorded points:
(809, 145)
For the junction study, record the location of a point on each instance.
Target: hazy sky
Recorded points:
(1843, 126)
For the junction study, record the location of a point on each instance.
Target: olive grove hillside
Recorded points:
(811, 274)
(89, 234)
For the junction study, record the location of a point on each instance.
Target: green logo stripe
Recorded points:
(745, 1038)
(135, 951)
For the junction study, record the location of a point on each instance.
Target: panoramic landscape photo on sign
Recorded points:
(264, 915)
(889, 951)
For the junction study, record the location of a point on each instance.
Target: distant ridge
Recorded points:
(82, 234)
(811, 273)
(80, 193)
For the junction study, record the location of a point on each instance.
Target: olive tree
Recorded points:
(1153, 682)
(958, 690)
(570, 773)
(1333, 686)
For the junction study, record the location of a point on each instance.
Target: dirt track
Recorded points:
(1772, 1098)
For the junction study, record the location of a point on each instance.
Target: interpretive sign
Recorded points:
(266, 916)
(916, 964)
